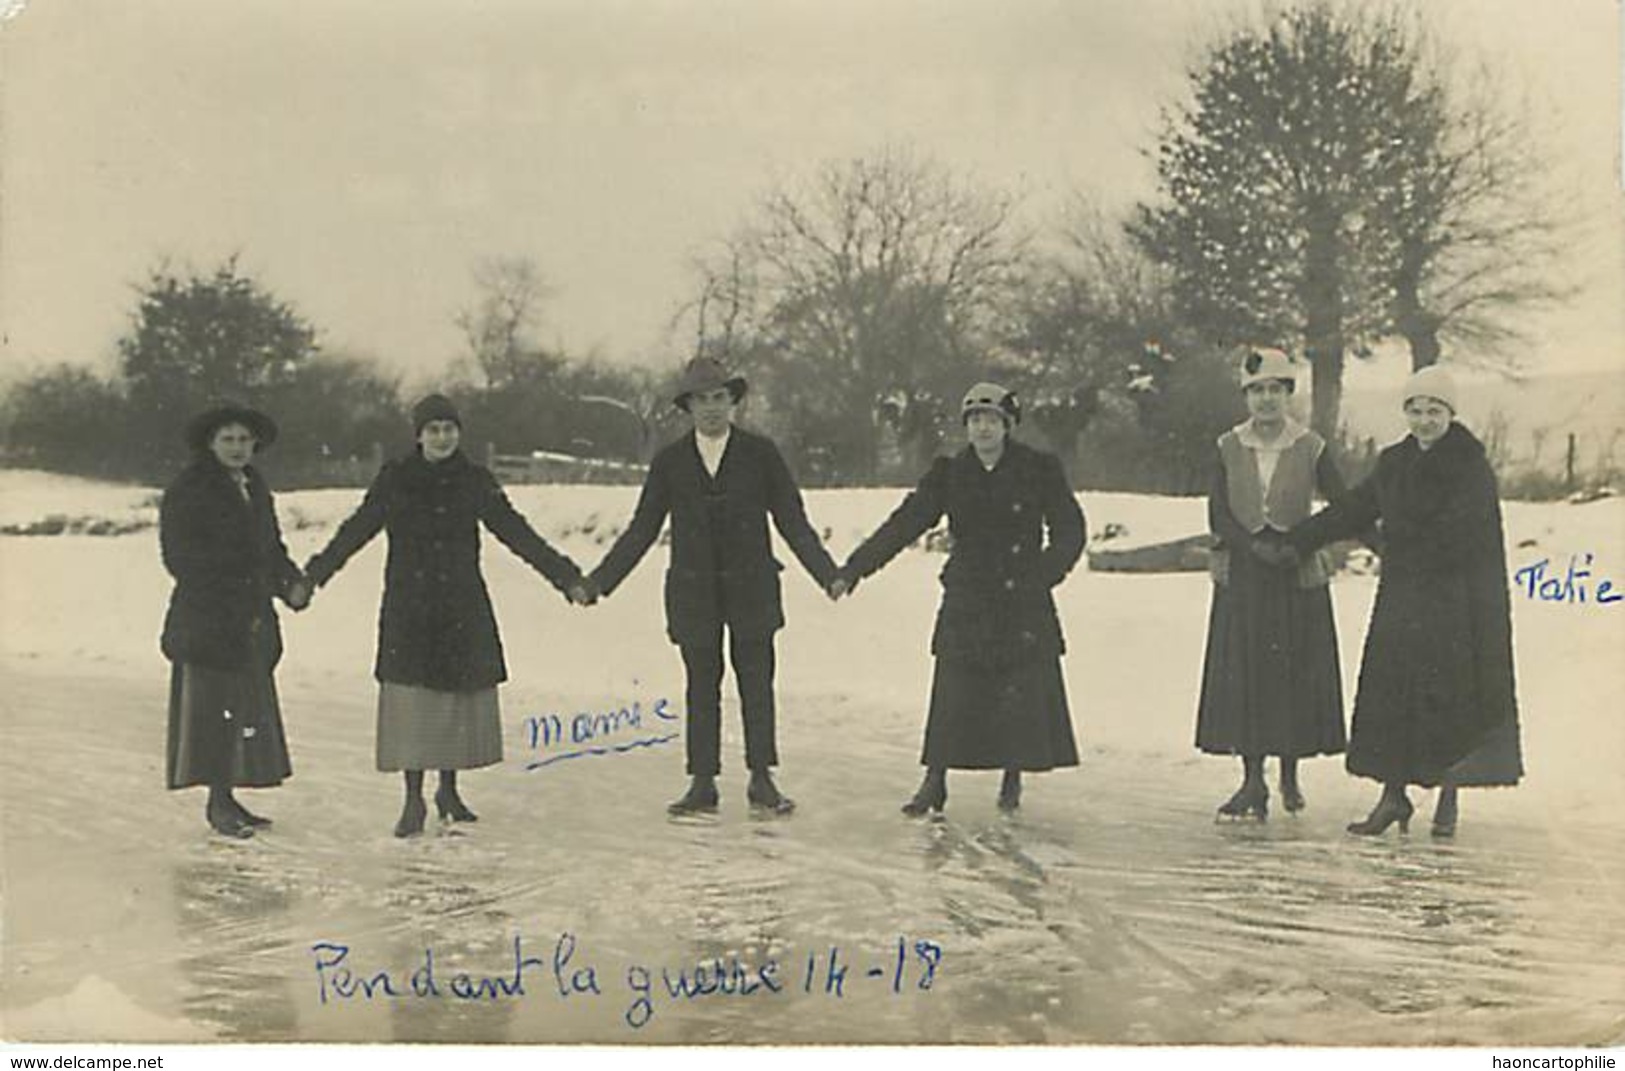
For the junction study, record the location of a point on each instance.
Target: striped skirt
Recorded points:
(424, 729)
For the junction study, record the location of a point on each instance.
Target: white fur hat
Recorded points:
(1434, 381)
(1264, 363)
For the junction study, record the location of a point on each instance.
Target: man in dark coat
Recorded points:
(719, 484)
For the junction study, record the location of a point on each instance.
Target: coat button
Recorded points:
(1016, 507)
(1009, 585)
(1015, 548)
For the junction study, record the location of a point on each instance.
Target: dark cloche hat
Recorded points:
(434, 407)
(201, 428)
(992, 397)
(703, 374)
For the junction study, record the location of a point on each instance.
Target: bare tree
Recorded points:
(500, 326)
(1475, 244)
(880, 274)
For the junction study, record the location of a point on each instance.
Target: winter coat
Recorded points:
(436, 628)
(996, 608)
(722, 568)
(228, 559)
(1436, 680)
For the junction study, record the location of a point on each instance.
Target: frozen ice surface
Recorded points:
(1111, 910)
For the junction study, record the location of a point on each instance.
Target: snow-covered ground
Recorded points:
(1112, 909)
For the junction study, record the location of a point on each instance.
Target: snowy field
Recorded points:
(1112, 910)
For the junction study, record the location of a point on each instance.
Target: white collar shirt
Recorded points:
(711, 450)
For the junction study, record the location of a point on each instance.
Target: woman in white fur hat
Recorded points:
(1437, 704)
(1271, 684)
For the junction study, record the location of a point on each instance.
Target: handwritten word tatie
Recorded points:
(610, 732)
(909, 966)
(1571, 586)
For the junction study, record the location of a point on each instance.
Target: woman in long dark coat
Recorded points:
(220, 541)
(998, 700)
(1271, 683)
(1436, 703)
(439, 654)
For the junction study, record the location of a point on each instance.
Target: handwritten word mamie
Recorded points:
(597, 733)
(1570, 587)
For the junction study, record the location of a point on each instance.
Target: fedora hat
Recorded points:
(703, 374)
(201, 428)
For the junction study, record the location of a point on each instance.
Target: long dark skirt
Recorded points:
(1015, 718)
(1271, 684)
(225, 727)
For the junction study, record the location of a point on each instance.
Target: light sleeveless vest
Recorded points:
(1289, 500)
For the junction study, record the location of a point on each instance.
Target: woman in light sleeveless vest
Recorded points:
(1271, 683)
(1437, 703)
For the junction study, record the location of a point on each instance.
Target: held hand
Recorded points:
(838, 588)
(584, 593)
(298, 594)
(1274, 552)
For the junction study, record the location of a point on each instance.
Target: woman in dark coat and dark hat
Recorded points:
(220, 541)
(439, 654)
(998, 700)
(1436, 703)
(1270, 683)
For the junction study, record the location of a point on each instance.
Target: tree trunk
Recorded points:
(1415, 324)
(1323, 316)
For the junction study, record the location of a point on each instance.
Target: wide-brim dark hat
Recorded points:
(201, 428)
(703, 374)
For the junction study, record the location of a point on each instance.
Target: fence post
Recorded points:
(1568, 466)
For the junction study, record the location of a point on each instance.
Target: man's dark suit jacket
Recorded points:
(722, 566)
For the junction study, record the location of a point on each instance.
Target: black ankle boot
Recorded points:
(700, 797)
(450, 806)
(1389, 809)
(257, 821)
(223, 818)
(764, 795)
(1010, 791)
(1251, 800)
(413, 813)
(932, 795)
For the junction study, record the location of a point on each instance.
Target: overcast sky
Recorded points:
(362, 155)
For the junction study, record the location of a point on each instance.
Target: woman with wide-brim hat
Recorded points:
(439, 653)
(220, 541)
(998, 698)
(1437, 702)
(1270, 683)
